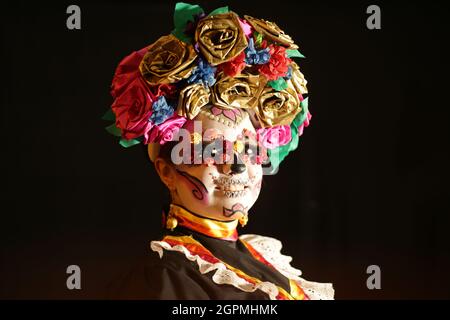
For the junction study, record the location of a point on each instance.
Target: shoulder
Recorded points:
(270, 249)
(168, 277)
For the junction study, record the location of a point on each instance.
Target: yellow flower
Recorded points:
(240, 91)
(167, 60)
(271, 32)
(277, 107)
(191, 99)
(220, 37)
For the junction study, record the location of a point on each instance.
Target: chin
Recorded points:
(230, 206)
(222, 204)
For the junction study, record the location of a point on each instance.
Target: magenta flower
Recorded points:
(245, 27)
(167, 130)
(273, 137)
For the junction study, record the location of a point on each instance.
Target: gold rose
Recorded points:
(220, 37)
(240, 91)
(167, 60)
(271, 31)
(298, 80)
(277, 107)
(191, 100)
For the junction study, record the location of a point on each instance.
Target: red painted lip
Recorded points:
(237, 206)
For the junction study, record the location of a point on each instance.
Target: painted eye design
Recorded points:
(221, 151)
(251, 149)
(254, 154)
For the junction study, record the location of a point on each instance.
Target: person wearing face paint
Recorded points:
(218, 103)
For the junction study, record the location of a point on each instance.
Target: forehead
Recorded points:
(227, 122)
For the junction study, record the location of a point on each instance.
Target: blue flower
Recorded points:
(253, 56)
(288, 74)
(161, 111)
(203, 73)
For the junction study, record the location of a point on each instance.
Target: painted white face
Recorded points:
(224, 190)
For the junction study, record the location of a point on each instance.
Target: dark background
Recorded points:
(368, 184)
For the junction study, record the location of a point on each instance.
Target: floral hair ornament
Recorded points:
(221, 59)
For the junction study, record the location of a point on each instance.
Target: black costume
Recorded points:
(241, 273)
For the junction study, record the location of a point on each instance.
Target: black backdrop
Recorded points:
(368, 184)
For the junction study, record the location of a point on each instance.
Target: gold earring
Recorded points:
(243, 220)
(171, 222)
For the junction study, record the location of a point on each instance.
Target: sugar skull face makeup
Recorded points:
(225, 180)
(236, 76)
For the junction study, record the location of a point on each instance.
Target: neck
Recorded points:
(225, 230)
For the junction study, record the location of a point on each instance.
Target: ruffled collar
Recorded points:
(180, 217)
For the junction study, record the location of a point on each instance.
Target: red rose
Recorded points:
(134, 97)
(167, 90)
(277, 65)
(126, 72)
(133, 108)
(235, 66)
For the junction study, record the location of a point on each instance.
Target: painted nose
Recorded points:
(237, 167)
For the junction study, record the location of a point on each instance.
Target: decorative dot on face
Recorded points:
(196, 138)
(238, 146)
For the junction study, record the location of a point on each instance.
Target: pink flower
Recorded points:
(167, 130)
(275, 136)
(245, 27)
(133, 108)
(126, 72)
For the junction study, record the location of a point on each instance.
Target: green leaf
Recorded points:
(184, 12)
(304, 104)
(278, 154)
(259, 38)
(109, 116)
(182, 36)
(219, 11)
(301, 116)
(279, 84)
(294, 54)
(128, 143)
(112, 129)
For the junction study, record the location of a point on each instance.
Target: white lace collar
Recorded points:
(270, 249)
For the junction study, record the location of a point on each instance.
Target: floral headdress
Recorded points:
(219, 59)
